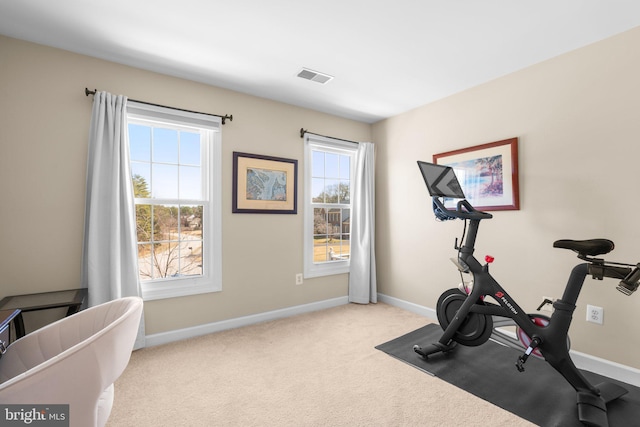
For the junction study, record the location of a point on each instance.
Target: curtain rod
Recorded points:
(88, 92)
(303, 131)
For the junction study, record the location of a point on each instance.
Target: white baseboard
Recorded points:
(584, 361)
(209, 328)
(606, 367)
(409, 306)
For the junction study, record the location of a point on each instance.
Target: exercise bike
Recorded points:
(469, 314)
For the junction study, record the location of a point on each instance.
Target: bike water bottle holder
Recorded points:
(461, 265)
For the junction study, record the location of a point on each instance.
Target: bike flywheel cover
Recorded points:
(475, 329)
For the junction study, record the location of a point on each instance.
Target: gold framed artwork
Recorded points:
(264, 184)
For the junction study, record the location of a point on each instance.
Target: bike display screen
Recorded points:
(441, 181)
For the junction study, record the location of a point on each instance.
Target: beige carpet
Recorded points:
(316, 369)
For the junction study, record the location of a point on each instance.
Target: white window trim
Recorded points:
(211, 281)
(311, 142)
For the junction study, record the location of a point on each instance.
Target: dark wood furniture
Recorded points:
(71, 299)
(6, 317)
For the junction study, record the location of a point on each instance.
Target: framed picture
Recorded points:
(488, 174)
(264, 184)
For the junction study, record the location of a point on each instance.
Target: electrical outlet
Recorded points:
(595, 314)
(299, 279)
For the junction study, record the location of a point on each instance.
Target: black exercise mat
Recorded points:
(540, 394)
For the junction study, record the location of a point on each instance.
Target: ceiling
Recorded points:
(386, 57)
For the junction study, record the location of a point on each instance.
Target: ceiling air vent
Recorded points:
(314, 76)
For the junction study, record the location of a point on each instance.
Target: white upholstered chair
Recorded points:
(73, 361)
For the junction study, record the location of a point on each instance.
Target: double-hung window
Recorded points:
(176, 174)
(327, 214)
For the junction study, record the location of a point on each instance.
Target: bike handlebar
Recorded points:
(630, 283)
(630, 277)
(463, 210)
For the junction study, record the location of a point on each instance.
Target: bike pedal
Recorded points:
(520, 363)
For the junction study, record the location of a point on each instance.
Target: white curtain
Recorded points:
(109, 254)
(362, 276)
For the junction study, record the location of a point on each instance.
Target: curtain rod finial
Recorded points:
(302, 132)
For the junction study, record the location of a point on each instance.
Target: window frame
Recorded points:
(329, 145)
(211, 153)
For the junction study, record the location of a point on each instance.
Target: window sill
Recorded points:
(326, 270)
(157, 291)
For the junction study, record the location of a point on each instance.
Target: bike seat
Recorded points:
(591, 247)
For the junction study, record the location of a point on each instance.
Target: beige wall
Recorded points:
(577, 117)
(44, 124)
(578, 120)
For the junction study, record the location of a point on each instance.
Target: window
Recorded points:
(175, 168)
(327, 214)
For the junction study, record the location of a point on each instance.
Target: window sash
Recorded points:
(210, 163)
(340, 264)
